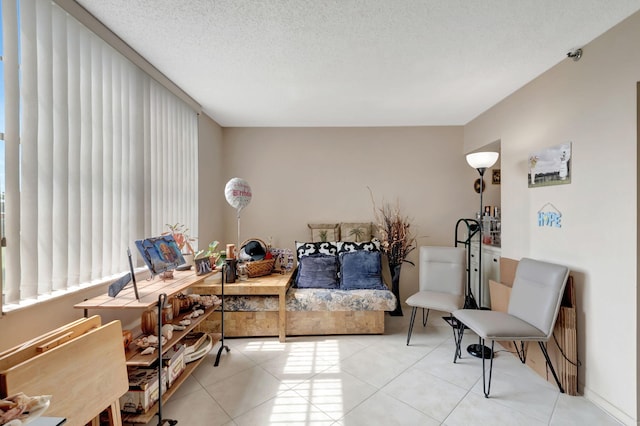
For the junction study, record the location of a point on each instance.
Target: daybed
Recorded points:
(337, 288)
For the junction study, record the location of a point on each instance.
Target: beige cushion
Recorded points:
(442, 269)
(537, 292)
(444, 302)
(496, 325)
(442, 279)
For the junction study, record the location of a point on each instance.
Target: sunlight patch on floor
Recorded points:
(266, 346)
(324, 389)
(290, 408)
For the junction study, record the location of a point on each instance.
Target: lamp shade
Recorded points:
(482, 160)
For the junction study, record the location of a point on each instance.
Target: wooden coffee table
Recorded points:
(268, 285)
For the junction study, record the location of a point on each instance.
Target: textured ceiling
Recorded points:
(354, 62)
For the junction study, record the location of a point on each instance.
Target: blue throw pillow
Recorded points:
(317, 271)
(361, 270)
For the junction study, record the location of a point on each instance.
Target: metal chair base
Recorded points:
(486, 385)
(425, 316)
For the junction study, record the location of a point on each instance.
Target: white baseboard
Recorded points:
(606, 406)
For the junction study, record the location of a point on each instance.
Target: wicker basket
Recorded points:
(259, 268)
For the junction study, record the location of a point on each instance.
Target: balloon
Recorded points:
(238, 193)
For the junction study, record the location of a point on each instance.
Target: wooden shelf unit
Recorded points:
(150, 292)
(144, 418)
(134, 356)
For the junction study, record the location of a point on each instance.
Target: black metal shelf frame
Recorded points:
(465, 230)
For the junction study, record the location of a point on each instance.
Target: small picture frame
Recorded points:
(495, 177)
(203, 266)
(356, 232)
(324, 231)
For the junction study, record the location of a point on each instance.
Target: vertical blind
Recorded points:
(98, 154)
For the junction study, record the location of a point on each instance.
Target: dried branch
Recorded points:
(395, 235)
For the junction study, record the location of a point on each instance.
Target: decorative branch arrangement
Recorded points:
(396, 238)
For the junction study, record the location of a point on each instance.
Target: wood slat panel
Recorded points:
(149, 291)
(299, 323)
(134, 356)
(29, 349)
(268, 284)
(84, 376)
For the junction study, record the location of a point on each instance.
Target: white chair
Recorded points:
(441, 283)
(533, 309)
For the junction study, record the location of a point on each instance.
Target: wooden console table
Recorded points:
(268, 285)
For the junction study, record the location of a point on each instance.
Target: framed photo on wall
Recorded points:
(324, 231)
(550, 166)
(495, 177)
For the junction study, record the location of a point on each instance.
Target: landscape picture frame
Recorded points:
(550, 166)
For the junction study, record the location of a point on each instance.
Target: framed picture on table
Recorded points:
(160, 254)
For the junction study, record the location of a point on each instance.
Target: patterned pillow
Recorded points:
(350, 246)
(307, 249)
(361, 270)
(318, 271)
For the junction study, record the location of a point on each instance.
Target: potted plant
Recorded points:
(180, 233)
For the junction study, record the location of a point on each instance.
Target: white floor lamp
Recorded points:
(481, 161)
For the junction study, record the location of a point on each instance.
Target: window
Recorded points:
(2, 162)
(98, 154)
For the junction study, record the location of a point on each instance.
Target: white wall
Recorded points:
(320, 175)
(19, 326)
(591, 103)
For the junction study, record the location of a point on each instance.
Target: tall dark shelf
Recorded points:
(466, 229)
(225, 268)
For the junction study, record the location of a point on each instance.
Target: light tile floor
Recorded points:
(370, 380)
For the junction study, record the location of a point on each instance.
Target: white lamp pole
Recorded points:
(481, 161)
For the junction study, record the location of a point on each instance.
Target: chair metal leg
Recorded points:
(486, 387)
(457, 338)
(543, 348)
(411, 321)
(425, 317)
(458, 353)
(522, 355)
